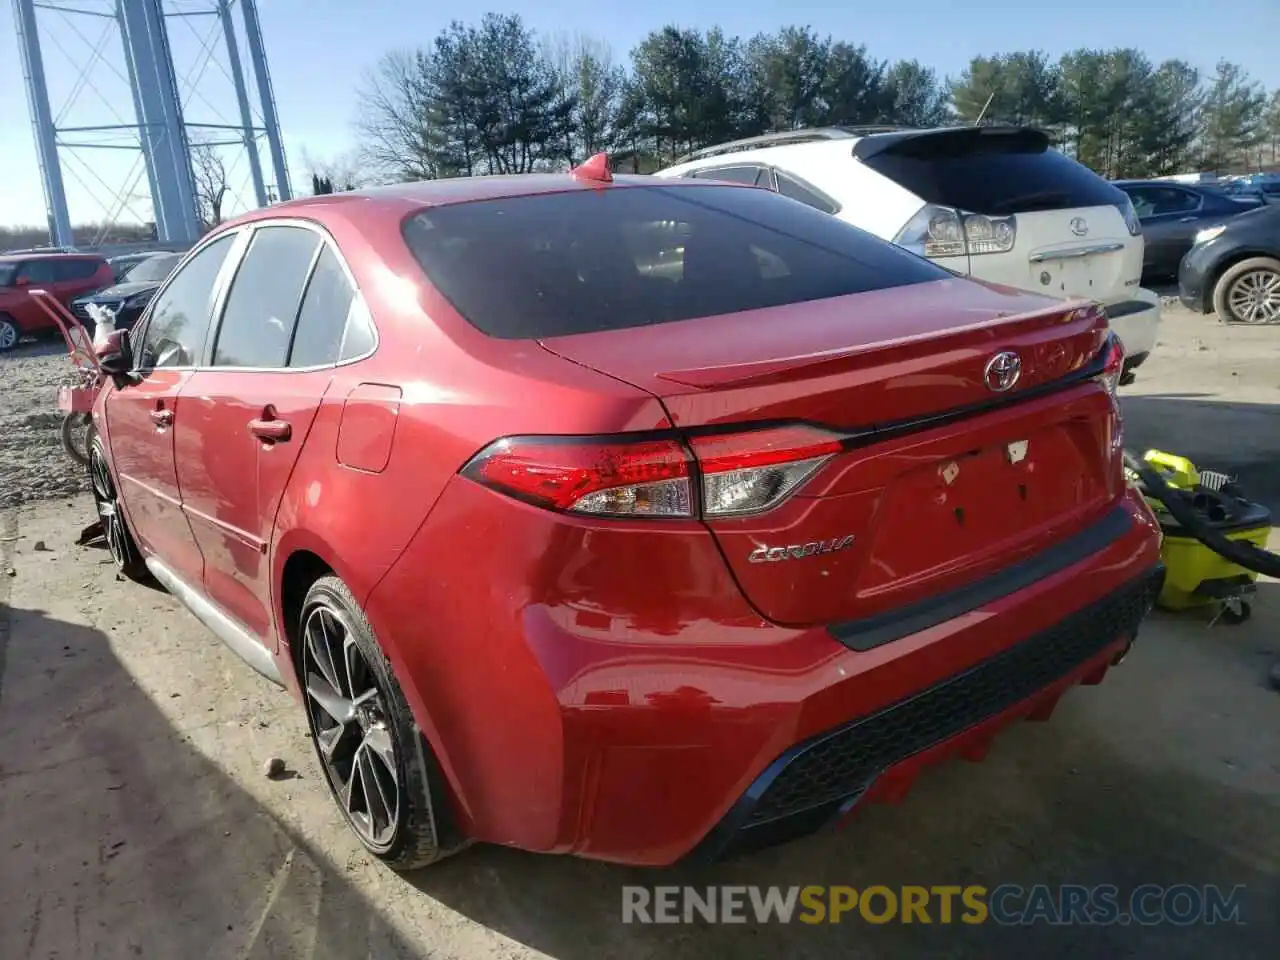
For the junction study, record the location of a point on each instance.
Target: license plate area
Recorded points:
(978, 507)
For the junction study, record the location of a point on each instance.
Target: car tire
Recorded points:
(75, 431)
(1245, 282)
(115, 528)
(9, 333)
(372, 754)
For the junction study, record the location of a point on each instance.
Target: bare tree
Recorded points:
(211, 182)
(392, 123)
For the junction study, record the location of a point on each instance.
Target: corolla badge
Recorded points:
(796, 551)
(1079, 226)
(1002, 371)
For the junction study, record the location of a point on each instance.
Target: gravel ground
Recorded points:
(33, 465)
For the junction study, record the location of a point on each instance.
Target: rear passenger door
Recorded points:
(269, 362)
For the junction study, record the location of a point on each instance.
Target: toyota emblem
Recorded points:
(1079, 227)
(1003, 371)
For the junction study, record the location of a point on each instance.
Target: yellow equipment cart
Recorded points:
(1197, 576)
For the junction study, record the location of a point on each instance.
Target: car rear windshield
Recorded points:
(152, 269)
(994, 174)
(581, 261)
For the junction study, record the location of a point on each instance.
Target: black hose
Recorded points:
(1181, 507)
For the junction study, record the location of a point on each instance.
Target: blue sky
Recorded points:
(318, 49)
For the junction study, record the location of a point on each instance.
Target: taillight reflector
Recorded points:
(744, 473)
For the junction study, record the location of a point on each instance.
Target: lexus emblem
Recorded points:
(1079, 227)
(1003, 371)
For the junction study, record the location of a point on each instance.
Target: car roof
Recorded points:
(826, 149)
(22, 257)
(852, 142)
(428, 193)
(402, 199)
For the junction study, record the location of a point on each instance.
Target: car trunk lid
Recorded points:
(940, 477)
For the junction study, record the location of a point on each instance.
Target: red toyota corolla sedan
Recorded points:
(626, 518)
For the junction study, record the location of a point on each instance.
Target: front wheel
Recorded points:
(379, 768)
(8, 334)
(115, 529)
(1249, 292)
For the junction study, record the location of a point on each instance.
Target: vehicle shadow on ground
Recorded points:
(1240, 439)
(1138, 781)
(120, 840)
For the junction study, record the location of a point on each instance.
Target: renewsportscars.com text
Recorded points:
(1006, 905)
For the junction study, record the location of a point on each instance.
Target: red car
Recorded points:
(65, 275)
(630, 519)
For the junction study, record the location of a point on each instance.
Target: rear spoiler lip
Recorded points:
(747, 374)
(875, 144)
(853, 437)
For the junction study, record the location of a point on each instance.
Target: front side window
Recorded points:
(262, 305)
(180, 315)
(584, 261)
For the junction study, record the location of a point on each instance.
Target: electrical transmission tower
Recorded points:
(125, 65)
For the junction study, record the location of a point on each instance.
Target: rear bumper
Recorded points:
(1136, 322)
(633, 708)
(817, 782)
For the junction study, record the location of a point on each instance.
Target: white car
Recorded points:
(991, 202)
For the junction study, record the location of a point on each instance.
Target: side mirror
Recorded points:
(21, 281)
(115, 356)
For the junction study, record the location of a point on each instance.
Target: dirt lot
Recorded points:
(135, 819)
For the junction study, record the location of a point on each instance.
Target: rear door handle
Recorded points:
(162, 418)
(1187, 220)
(271, 431)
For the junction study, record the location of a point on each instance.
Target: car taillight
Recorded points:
(645, 479)
(1112, 364)
(938, 231)
(744, 473)
(738, 474)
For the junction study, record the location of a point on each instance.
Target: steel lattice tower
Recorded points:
(162, 132)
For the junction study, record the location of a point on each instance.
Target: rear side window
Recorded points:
(326, 309)
(257, 322)
(582, 261)
(790, 187)
(992, 174)
(743, 174)
(76, 269)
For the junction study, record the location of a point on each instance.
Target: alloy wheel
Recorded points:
(1255, 297)
(349, 722)
(8, 335)
(108, 506)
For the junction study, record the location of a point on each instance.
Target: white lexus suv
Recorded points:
(995, 203)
